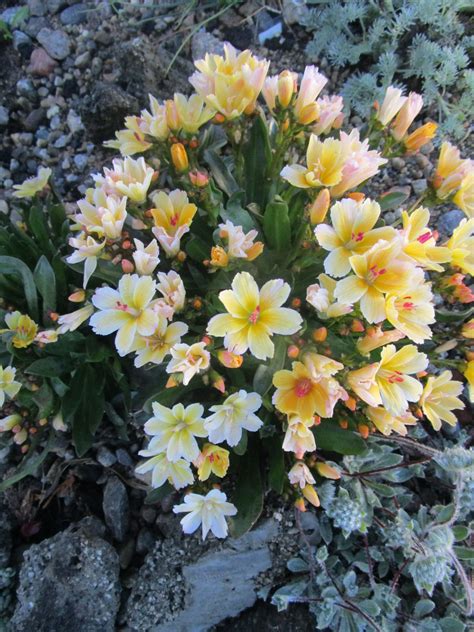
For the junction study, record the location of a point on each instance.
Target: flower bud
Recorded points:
(320, 334)
(286, 88)
(254, 251)
(172, 116)
(293, 352)
(179, 157)
(77, 297)
(173, 380)
(319, 207)
(357, 196)
(363, 430)
(197, 304)
(351, 403)
(127, 266)
(308, 114)
(296, 303)
(327, 471)
(343, 423)
(229, 360)
(311, 496)
(300, 505)
(219, 257)
(198, 178)
(420, 137)
(357, 326)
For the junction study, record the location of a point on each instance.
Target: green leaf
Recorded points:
(464, 552)
(330, 436)
(257, 157)
(453, 316)
(50, 367)
(276, 463)
(450, 624)
(44, 399)
(394, 198)
(220, 172)
(12, 265)
(423, 607)
(197, 249)
(241, 447)
(57, 216)
(28, 466)
(276, 225)
(36, 221)
(263, 377)
(461, 533)
(382, 490)
(45, 280)
(157, 495)
(238, 215)
(248, 493)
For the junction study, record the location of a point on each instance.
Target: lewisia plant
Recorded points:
(251, 278)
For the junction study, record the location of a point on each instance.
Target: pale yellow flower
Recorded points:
(299, 437)
(469, 375)
(239, 245)
(321, 297)
(127, 311)
(174, 431)
(172, 215)
(87, 250)
(158, 345)
(70, 322)
(146, 258)
(171, 287)
(406, 115)
(420, 137)
(412, 312)
(386, 423)
(450, 170)
(376, 338)
(419, 243)
(461, 245)
(468, 329)
(154, 122)
(392, 104)
(129, 177)
(131, 140)
(254, 316)
(10, 421)
(389, 382)
(24, 327)
(178, 473)
(212, 460)
(230, 84)
(306, 108)
(235, 414)
(464, 197)
(325, 161)
(378, 271)
(30, 187)
(300, 475)
(47, 337)
(440, 398)
(210, 511)
(8, 386)
(189, 360)
(102, 214)
(352, 232)
(187, 114)
(330, 115)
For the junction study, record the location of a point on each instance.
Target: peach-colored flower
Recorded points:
(189, 360)
(173, 214)
(440, 397)
(330, 114)
(406, 115)
(392, 104)
(376, 338)
(299, 437)
(419, 242)
(386, 423)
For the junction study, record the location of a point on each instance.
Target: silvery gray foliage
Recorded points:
(422, 42)
(7, 592)
(391, 549)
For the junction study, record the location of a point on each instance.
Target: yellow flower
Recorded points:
(219, 257)
(321, 297)
(231, 83)
(386, 423)
(173, 214)
(102, 214)
(30, 187)
(469, 375)
(440, 398)
(391, 105)
(450, 170)
(189, 360)
(178, 473)
(379, 271)
(405, 117)
(468, 329)
(156, 347)
(179, 157)
(461, 245)
(352, 232)
(254, 316)
(306, 107)
(376, 338)
(131, 140)
(24, 327)
(10, 421)
(309, 388)
(174, 431)
(212, 460)
(389, 382)
(187, 114)
(464, 197)
(73, 320)
(420, 137)
(298, 436)
(420, 244)
(128, 177)
(325, 161)
(154, 122)
(127, 311)
(412, 312)
(8, 386)
(87, 250)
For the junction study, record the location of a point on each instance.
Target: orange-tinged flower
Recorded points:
(386, 423)
(420, 137)
(320, 207)
(212, 460)
(324, 159)
(179, 157)
(327, 471)
(468, 329)
(375, 338)
(219, 257)
(464, 197)
(406, 115)
(254, 316)
(309, 388)
(379, 271)
(420, 244)
(229, 360)
(412, 312)
(469, 375)
(352, 232)
(440, 398)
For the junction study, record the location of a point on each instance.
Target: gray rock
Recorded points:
(22, 43)
(5, 536)
(220, 584)
(104, 110)
(76, 14)
(295, 11)
(204, 42)
(34, 119)
(41, 64)
(34, 26)
(56, 5)
(69, 582)
(4, 116)
(83, 60)
(145, 541)
(116, 508)
(25, 88)
(124, 458)
(447, 222)
(104, 456)
(419, 186)
(37, 7)
(10, 14)
(55, 42)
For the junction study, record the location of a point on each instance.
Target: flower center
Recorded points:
(425, 237)
(396, 377)
(303, 387)
(174, 219)
(254, 315)
(357, 236)
(375, 272)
